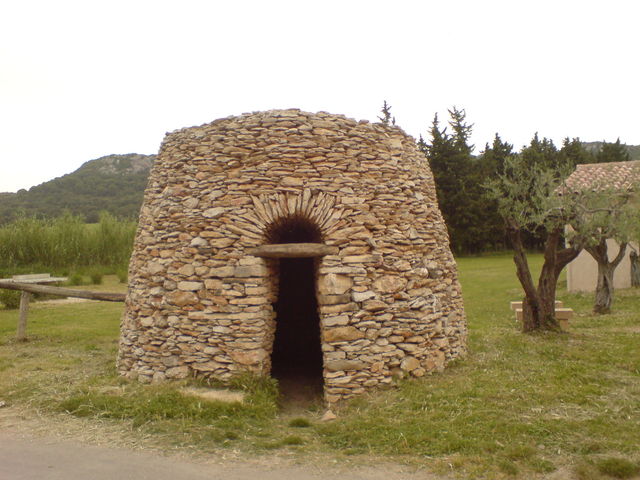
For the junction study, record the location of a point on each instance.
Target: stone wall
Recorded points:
(388, 296)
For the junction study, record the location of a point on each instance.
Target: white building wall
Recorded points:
(582, 273)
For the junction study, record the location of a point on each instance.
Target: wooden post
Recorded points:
(24, 311)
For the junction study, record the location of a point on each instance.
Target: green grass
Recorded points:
(618, 467)
(299, 422)
(517, 406)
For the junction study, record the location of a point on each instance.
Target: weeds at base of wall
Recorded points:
(166, 409)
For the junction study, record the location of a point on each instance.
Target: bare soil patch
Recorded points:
(36, 447)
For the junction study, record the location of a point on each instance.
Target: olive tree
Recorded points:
(605, 214)
(528, 201)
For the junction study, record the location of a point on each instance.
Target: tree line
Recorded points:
(472, 217)
(522, 200)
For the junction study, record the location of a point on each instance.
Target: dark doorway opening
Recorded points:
(296, 360)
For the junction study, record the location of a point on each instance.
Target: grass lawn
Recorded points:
(518, 406)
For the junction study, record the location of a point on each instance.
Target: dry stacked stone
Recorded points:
(199, 304)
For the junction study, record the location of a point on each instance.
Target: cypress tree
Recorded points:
(456, 177)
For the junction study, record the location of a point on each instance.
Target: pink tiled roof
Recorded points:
(595, 176)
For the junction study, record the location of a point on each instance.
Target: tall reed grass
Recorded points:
(66, 242)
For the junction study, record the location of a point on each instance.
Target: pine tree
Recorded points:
(490, 230)
(386, 117)
(573, 152)
(457, 184)
(493, 157)
(612, 152)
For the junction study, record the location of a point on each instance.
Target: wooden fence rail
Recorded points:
(28, 288)
(62, 291)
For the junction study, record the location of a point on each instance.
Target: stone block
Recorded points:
(342, 334)
(409, 364)
(374, 305)
(222, 272)
(177, 372)
(248, 357)
(334, 284)
(292, 182)
(213, 284)
(337, 365)
(189, 286)
(182, 299)
(198, 242)
(340, 308)
(214, 212)
(245, 271)
(333, 299)
(221, 242)
(155, 267)
(339, 320)
(389, 284)
(205, 366)
(360, 259)
(362, 296)
(186, 270)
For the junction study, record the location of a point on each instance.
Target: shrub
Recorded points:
(96, 278)
(10, 298)
(123, 275)
(75, 279)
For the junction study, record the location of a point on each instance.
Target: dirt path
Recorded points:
(37, 448)
(42, 449)
(36, 458)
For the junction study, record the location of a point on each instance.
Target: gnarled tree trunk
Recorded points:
(604, 288)
(538, 306)
(635, 269)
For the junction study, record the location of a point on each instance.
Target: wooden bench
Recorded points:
(518, 305)
(563, 315)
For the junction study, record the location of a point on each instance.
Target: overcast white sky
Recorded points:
(83, 79)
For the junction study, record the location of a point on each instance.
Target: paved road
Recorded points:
(35, 458)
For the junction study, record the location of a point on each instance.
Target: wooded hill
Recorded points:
(114, 183)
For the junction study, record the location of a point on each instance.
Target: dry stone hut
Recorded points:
(291, 243)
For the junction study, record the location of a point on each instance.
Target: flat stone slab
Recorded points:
(518, 305)
(215, 395)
